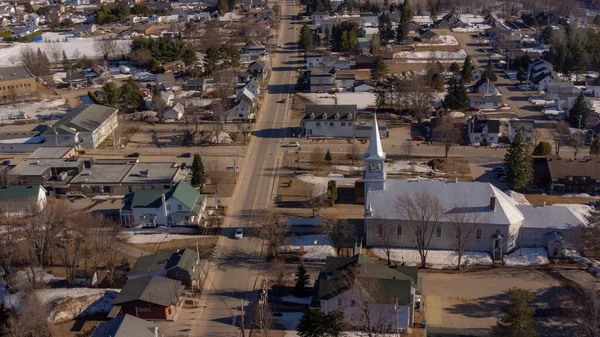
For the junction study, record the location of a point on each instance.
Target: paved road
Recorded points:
(239, 265)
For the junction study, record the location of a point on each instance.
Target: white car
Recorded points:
(292, 144)
(239, 233)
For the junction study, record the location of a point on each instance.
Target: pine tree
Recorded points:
(401, 32)
(542, 149)
(332, 192)
(597, 19)
(407, 13)
(517, 318)
(386, 30)
(519, 166)
(198, 174)
(131, 97)
(457, 97)
(305, 39)
(379, 69)
(579, 110)
(316, 323)
(489, 72)
(302, 279)
(328, 156)
(521, 75)
(437, 82)
(111, 94)
(454, 67)
(595, 147)
(467, 70)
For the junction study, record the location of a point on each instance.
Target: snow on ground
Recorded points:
(45, 108)
(22, 281)
(398, 166)
(461, 54)
(155, 238)
(473, 29)
(519, 198)
(361, 99)
(289, 320)
(347, 168)
(82, 46)
(296, 300)
(321, 182)
(437, 258)
(223, 138)
(444, 40)
(316, 247)
(108, 197)
(527, 257)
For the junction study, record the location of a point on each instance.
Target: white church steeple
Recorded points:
(374, 175)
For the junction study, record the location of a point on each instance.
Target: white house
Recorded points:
(317, 17)
(244, 110)
(32, 20)
(181, 205)
(483, 130)
(85, 127)
(336, 121)
(175, 112)
(392, 292)
(85, 278)
(525, 127)
(252, 86)
(16, 199)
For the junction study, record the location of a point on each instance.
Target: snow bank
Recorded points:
(22, 280)
(527, 257)
(519, 198)
(42, 109)
(436, 258)
(461, 54)
(223, 138)
(316, 247)
(397, 166)
(156, 238)
(108, 197)
(321, 182)
(444, 40)
(296, 300)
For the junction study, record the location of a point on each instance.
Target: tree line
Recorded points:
(151, 53)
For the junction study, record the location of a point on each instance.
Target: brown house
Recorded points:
(17, 83)
(562, 175)
(150, 297)
(181, 265)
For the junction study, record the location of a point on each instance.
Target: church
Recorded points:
(500, 223)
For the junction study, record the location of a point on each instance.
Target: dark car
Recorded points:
(185, 155)
(283, 101)
(419, 138)
(133, 155)
(6, 162)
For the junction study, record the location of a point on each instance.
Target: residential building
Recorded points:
(449, 21)
(317, 17)
(32, 20)
(482, 101)
(85, 278)
(484, 130)
(393, 292)
(24, 31)
(364, 86)
(85, 127)
(524, 127)
(252, 86)
(345, 82)
(258, 69)
(126, 326)
(180, 205)
(16, 199)
(485, 87)
(322, 79)
(560, 175)
(196, 84)
(165, 81)
(244, 108)
(181, 265)
(6, 10)
(336, 121)
(150, 298)
(538, 67)
(17, 83)
(541, 81)
(502, 225)
(429, 36)
(254, 48)
(369, 20)
(175, 112)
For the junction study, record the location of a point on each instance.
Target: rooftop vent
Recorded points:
(145, 173)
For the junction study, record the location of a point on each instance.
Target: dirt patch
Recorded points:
(451, 165)
(206, 244)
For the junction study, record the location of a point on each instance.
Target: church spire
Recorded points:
(375, 150)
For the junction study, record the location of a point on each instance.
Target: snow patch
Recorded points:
(519, 198)
(436, 258)
(296, 300)
(221, 138)
(461, 54)
(46, 108)
(527, 257)
(321, 182)
(316, 247)
(155, 238)
(108, 197)
(443, 40)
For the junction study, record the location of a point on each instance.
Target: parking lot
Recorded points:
(473, 300)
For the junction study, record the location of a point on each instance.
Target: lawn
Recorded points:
(206, 244)
(539, 199)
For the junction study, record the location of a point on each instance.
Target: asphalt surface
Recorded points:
(239, 265)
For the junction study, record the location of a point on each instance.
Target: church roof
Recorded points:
(375, 150)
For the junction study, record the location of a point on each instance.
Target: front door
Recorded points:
(497, 252)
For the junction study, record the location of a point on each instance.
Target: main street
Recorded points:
(239, 264)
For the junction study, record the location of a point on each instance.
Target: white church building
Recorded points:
(501, 224)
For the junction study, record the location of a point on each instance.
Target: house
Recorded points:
(165, 81)
(317, 17)
(485, 87)
(449, 21)
(258, 69)
(364, 86)
(17, 199)
(85, 278)
(322, 79)
(84, 30)
(393, 292)
(561, 175)
(483, 130)
(150, 298)
(75, 79)
(181, 205)
(6, 10)
(541, 81)
(538, 67)
(345, 82)
(254, 48)
(502, 225)
(181, 265)
(17, 83)
(336, 121)
(175, 112)
(369, 20)
(252, 86)
(32, 20)
(244, 109)
(545, 18)
(366, 61)
(429, 36)
(482, 101)
(126, 326)
(85, 127)
(196, 84)
(141, 29)
(524, 127)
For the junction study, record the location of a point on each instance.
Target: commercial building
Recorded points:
(17, 83)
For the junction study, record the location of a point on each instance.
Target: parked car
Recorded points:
(499, 169)
(292, 144)
(282, 101)
(6, 162)
(500, 174)
(185, 155)
(133, 155)
(239, 233)
(473, 108)
(419, 138)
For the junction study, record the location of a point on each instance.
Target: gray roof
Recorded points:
(151, 289)
(476, 195)
(14, 73)
(125, 326)
(550, 217)
(166, 77)
(493, 125)
(84, 118)
(259, 64)
(317, 111)
(185, 259)
(103, 173)
(157, 173)
(19, 192)
(48, 152)
(38, 167)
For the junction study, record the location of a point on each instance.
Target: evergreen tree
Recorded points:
(454, 67)
(433, 13)
(517, 318)
(437, 81)
(198, 174)
(379, 69)
(401, 32)
(131, 97)
(332, 192)
(457, 97)
(542, 149)
(467, 70)
(489, 72)
(305, 39)
(579, 112)
(223, 6)
(302, 279)
(519, 166)
(407, 12)
(328, 156)
(111, 94)
(521, 75)
(547, 33)
(66, 62)
(316, 323)
(595, 147)
(386, 30)
(597, 19)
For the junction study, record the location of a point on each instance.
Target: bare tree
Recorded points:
(353, 152)
(158, 104)
(55, 52)
(560, 134)
(263, 318)
(419, 98)
(422, 211)
(31, 320)
(277, 271)
(216, 177)
(317, 156)
(106, 46)
(276, 9)
(342, 233)
(272, 232)
(73, 241)
(314, 198)
(446, 132)
(465, 222)
(587, 312)
(10, 220)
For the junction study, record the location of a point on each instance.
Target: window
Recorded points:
(438, 233)
(331, 124)
(352, 303)
(339, 302)
(179, 207)
(478, 235)
(476, 137)
(380, 230)
(398, 231)
(318, 124)
(169, 208)
(536, 236)
(570, 238)
(343, 124)
(498, 231)
(570, 178)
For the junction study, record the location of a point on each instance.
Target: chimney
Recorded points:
(164, 205)
(492, 203)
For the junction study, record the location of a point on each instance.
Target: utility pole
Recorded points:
(242, 320)
(396, 309)
(198, 264)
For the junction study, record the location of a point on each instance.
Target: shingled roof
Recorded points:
(151, 289)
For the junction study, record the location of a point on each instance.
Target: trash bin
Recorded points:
(423, 324)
